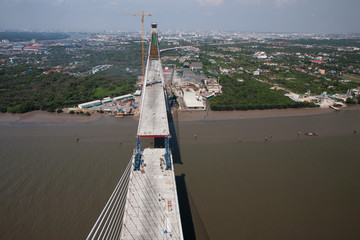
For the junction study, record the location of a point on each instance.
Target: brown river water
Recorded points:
(238, 185)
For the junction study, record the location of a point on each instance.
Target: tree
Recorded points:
(350, 100)
(3, 109)
(249, 95)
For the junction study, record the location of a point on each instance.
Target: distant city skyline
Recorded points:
(325, 16)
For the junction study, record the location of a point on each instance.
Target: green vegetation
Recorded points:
(249, 95)
(299, 83)
(328, 42)
(89, 57)
(25, 91)
(24, 87)
(350, 101)
(285, 58)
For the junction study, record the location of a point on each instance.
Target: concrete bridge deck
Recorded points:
(153, 115)
(152, 209)
(144, 204)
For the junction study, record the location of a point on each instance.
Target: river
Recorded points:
(246, 179)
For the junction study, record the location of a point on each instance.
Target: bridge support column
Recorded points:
(167, 154)
(137, 161)
(138, 149)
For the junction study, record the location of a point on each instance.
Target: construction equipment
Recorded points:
(142, 31)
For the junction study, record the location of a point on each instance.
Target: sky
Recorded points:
(324, 16)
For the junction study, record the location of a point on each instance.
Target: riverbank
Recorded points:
(65, 118)
(233, 115)
(48, 118)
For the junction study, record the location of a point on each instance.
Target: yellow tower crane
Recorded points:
(142, 31)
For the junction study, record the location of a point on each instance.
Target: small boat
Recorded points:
(311, 134)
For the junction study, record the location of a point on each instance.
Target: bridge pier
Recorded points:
(138, 145)
(137, 161)
(167, 154)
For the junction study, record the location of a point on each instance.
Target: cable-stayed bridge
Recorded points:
(144, 204)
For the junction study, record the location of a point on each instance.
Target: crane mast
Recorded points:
(142, 34)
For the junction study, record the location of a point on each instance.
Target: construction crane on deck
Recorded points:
(142, 31)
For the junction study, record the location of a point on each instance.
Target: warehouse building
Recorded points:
(89, 104)
(123, 97)
(191, 101)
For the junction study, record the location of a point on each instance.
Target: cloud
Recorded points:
(281, 3)
(277, 3)
(210, 2)
(249, 2)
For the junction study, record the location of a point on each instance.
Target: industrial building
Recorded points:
(123, 97)
(196, 66)
(191, 101)
(260, 55)
(106, 100)
(90, 104)
(212, 85)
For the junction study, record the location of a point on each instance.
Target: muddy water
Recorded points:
(53, 187)
(239, 185)
(288, 187)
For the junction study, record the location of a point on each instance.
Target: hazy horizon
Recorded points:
(261, 16)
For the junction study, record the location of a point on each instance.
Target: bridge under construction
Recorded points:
(144, 204)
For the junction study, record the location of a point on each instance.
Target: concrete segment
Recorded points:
(152, 205)
(153, 116)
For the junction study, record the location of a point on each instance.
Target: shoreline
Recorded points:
(42, 117)
(268, 113)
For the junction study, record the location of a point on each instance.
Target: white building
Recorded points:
(137, 93)
(212, 86)
(123, 97)
(196, 66)
(260, 55)
(192, 101)
(106, 100)
(89, 104)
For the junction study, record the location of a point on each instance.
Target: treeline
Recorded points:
(129, 56)
(300, 82)
(32, 90)
(249, 95)
(27, 36)
(329, 42)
